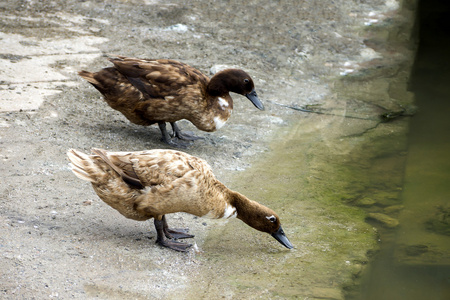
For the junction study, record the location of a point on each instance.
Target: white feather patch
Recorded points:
(223, 103)
(230, 212)
(219, 122)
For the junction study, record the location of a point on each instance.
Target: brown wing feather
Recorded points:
(153, 167)
(159, 78)
(147, 91)
(132, 180)
(163, 167)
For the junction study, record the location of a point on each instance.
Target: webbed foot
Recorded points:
(183, 136)
(166, 138)
(165, 235)
(174, 142)
(174, 245)
(175, 233)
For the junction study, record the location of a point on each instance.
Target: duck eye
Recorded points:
(272, 219)
(246, 80)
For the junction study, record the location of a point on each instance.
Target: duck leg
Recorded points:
(166, 137)
(163, 241)
(175, 233)
(183, 136)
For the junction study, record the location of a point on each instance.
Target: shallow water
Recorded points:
(299, 187)
(415, 259)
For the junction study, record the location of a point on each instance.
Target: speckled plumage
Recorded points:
(150, 184)
(148, 91)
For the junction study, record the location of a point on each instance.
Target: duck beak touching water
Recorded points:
(281, 237)
(253, 97)
(150, 184)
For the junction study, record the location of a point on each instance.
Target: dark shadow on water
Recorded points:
(388, 280)
(420, 274)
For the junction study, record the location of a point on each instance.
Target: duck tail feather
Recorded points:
(80, 163)
(89, 77)
(115, 57)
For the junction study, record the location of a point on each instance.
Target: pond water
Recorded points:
(414, 262)
(330, 177)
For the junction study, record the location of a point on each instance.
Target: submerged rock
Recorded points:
(415, 250)
(365, 202)
(440, 222)
(385, 220)
(387, 198)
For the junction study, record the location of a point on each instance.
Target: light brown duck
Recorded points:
(150, 184)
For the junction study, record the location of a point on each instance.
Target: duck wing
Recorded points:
(155, 167)
(164, 167)
(159, 78)
(122, 167)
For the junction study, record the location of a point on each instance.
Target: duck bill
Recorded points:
(281, 237)
(253, 97)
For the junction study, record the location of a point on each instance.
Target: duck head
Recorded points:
(263, 219)
(236, 81)
(271, 224)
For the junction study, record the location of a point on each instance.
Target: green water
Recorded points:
(415, 259)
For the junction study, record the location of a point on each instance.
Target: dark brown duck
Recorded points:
(149, 91)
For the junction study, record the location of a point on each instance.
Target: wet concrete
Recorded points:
(59, 240)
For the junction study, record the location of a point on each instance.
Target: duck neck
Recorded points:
(251, 212)
(219, 85)
(244, 206)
